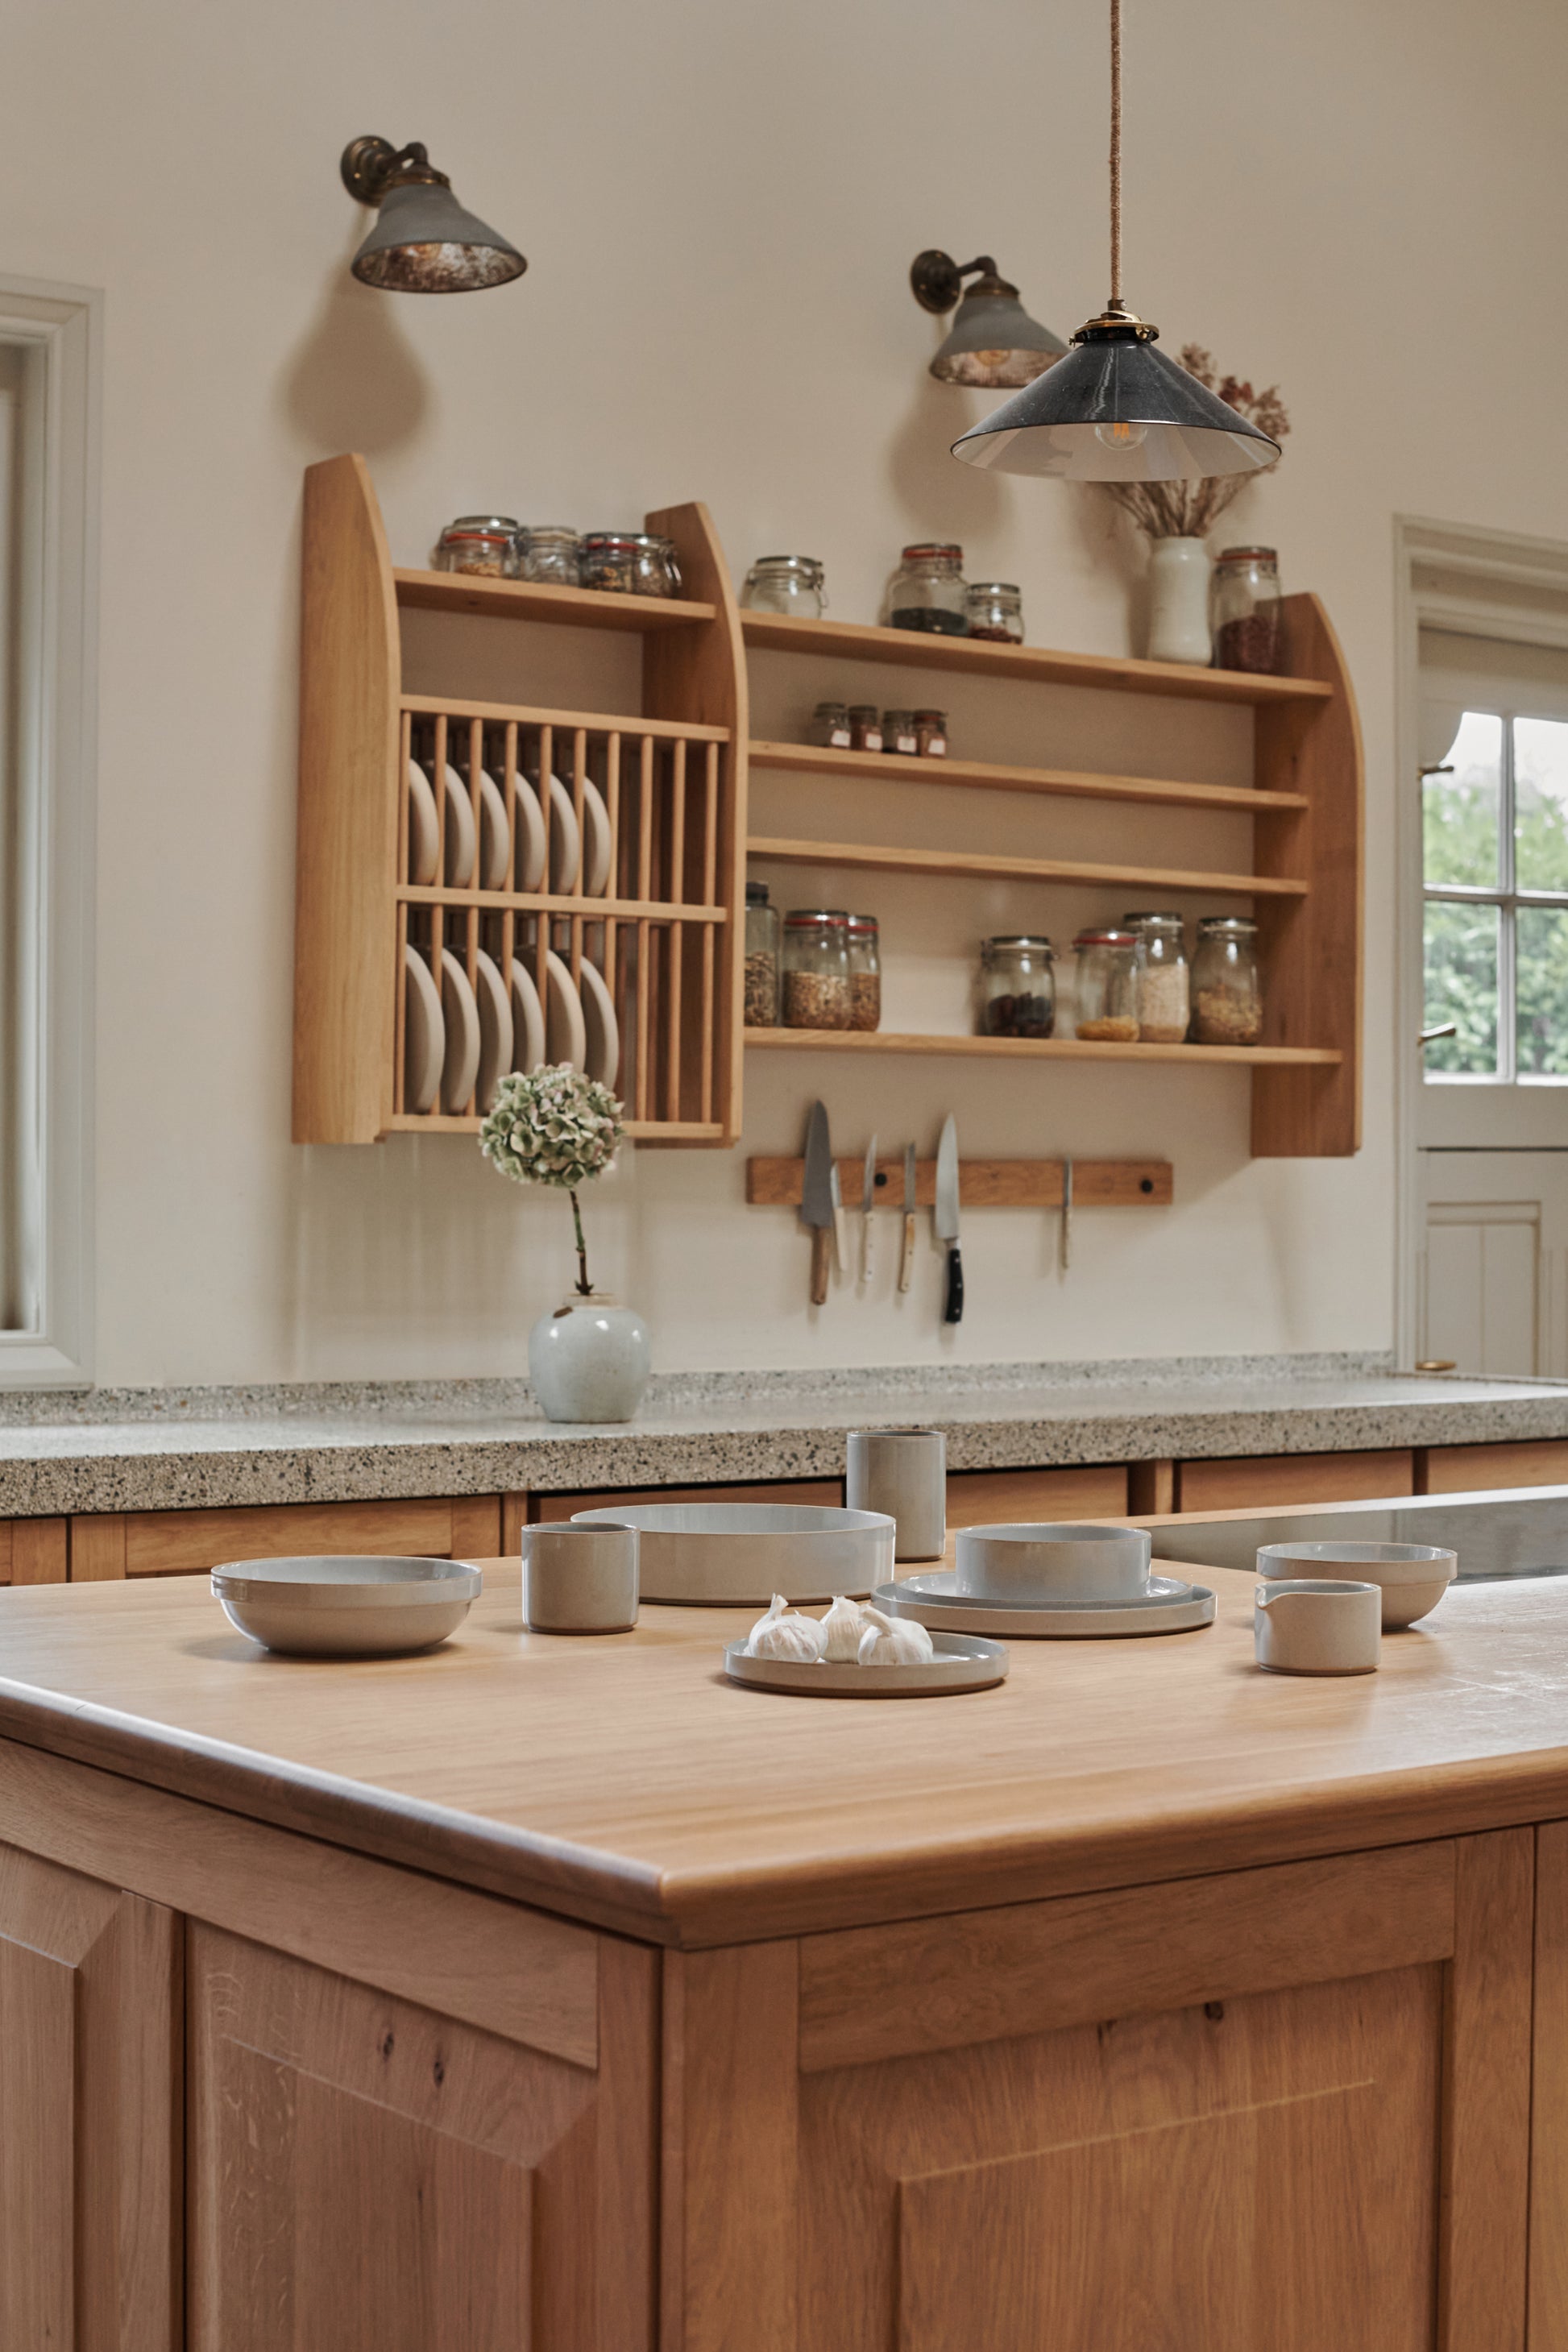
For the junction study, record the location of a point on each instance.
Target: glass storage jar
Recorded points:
(1227, 996)
(931, 734)
(927, 590)
(865, 973)
(790, 585)
(995, 610)
(830, 726)
(1164, 989)
(630, 563)
(1246, 611)
(762, 999)
(485, 546)
(1107, 1003)
(549, 554)
(815, 966)
(1018, 987)
(898, 732)
(864, 728)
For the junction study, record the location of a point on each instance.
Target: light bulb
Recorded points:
(1122, 436)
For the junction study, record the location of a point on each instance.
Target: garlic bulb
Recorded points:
(784, 1634)
(841, 1631)
(894, 1641)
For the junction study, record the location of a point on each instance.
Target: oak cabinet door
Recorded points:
(89, 2106)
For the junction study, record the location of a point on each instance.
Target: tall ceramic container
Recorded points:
(1179, 602)
(590, 1360)
(902, 1471)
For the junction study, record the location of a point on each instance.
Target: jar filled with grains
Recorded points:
(995, 610)
(864, 728)
(865, 973)
(927, 590)
(1248, 616)
(830, 726)
(790, 585)
(1107, 1010)
(761, 1002)
(484, 546)
(1227, 995)
(630, 563)
(931, 734)
(549, 554)
(1018, 987)
(1164, 994)
(816, 965)
(898, 732)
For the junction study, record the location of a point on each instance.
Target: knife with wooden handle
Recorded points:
(868, 1202)
(816, 1201)
(907, 1255)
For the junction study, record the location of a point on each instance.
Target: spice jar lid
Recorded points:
(938, 715)
(862, 922)
(862, 710)
(805, 915)
(994, 588)
(833, 710)
(802, 567)
(1235, 927)
(481, 527)
(558, 533)
(757, 895)
(889, 716)
(621, 542)
(1105, 938)
(934, 550)
(1250, 555)
(1018, 943)
(1153, 915)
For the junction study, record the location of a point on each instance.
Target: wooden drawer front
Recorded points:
(545, 1509)
(1465, 1469)
(33, 1551)
(1267, 1480)
(983, 1497)
(181, 1543)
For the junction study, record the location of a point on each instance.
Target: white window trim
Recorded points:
(59, 785)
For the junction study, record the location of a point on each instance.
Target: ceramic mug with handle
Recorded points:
(1308, 1625)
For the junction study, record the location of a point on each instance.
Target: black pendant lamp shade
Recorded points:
(423, 241)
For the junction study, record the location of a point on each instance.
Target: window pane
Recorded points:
(1460, 813)
(1540, 805)
(1462, 986)
(1541, 951)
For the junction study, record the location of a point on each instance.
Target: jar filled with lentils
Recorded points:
(761, 998)
(484, 546)
(1164, 991)
(1107, 1004)
(865, 973)
(816, 961)
(1227, 994)
(630, 563)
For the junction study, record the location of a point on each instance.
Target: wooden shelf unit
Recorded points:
(985, 775)
(1050, 1049)
(860, 857)
(528, 600)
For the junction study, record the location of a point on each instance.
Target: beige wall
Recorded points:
(719, 203)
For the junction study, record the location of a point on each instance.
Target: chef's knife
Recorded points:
(945, 1221)
(868, 1202)
(816, 1201)
(1066, 1215)
(840, 1238)
(907, 1255)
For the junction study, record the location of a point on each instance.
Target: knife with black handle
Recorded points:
(816, 1201)
(946, 1220)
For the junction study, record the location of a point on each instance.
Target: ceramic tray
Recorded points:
(1168, 1607)
(961, 1664)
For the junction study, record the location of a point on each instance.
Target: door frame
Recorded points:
(1471, 582)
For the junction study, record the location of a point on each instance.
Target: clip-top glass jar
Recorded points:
(1018, 987)
(791, 584)
(630, 563)
(761, 998)
(485, 546)
(995, 610)
(1247, 619)
(1227, 995)
(865, 973)
(1164, 991)
(927, 590)
(1107, 1001)
(551, 554)
(816, 968)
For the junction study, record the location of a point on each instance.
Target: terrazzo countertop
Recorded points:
(155, 1449)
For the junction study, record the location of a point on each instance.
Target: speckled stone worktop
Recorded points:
(151, 1449)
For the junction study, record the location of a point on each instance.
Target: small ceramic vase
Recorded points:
(590, 1360)
(1179, 573)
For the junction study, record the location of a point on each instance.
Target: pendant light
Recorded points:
(423, 241)
(1115, 409)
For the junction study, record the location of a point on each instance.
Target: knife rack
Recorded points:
(981, 1183)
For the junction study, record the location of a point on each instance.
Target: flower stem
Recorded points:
(585, 1288)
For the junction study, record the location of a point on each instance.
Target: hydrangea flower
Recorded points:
(553, 1126)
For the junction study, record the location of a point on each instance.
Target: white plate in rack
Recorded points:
(461, 841)
(527, 1019)
(461, 1015)
(424, 837)
(603, 1031)
(532, 845)
(565, 840)
(495, 1028)
(596, 848)
(424, 1033)
(495, 849)
(565, 1031)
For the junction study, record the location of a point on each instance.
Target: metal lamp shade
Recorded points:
(1065, 422)
(995, 344)
(424, 243)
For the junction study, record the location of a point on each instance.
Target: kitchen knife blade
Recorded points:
(944, 1223)
(1066, 1215)
(840, 1238)
(907, 1255)
(816, 1199)
(868, 1202)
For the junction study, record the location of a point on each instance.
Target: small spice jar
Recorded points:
(830, 726)
(1227, 996)
(898, 732)
(927, 590)
(630, 563)
(551, 555)
(816, 965)
(485, 546)
(1018, 987)
(762, 997)
(931, 734)
(995, 610)
(864, 728)
(1164, 991)
(1107, 987)
(865, 973)
(1247, 618)
(790, 585)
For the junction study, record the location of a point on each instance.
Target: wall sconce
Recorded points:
(993, 343)
(423, 241)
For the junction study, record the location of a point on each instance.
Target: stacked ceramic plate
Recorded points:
(1045, 1582)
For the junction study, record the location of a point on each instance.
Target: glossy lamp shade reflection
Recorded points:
(423, 241)
(993, 343)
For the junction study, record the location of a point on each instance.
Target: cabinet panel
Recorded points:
(1086, 1491)
(184, 1543)
(33, 1551)
(1468, 1469)
(1262, 1480)
(546, 1509)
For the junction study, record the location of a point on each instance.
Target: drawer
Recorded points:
(1267, 1481)
(184, 1543)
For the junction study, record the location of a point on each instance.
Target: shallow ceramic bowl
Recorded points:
(721, 1555)
(351, 1607)
(1048, 1562)
(1412, 1578)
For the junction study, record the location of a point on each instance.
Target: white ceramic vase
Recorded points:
(1179, 602)
(590, 1360)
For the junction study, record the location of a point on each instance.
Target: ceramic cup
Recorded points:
(902, 1471)
(1046, 1562)
(579, 1580)
(1305, 1625)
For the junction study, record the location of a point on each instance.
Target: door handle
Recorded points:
(1430, 1037)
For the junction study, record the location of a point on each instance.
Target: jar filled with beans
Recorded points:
(1018, 987)
(1227, 994)
(865, 973)
(761, 997)
(815, 960)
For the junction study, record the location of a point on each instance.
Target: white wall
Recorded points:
(719, 203)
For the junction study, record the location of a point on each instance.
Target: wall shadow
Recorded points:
(355, 382)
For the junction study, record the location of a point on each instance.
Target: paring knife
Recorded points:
(868, 1202)
(840, 1235)
(906, 1256)
(816, 1201)
(944, 1223)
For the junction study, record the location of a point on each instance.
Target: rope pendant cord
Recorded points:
(1115, 152)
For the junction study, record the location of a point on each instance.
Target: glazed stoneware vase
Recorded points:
(1179, 572)
(590, 1360)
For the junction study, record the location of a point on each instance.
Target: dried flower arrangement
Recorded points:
(1190, 509)
(556, 1126)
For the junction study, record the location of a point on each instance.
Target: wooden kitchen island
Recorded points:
(558, 1994)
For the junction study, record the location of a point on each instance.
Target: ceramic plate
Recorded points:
(596, 848)
(461, 843)
(565, 840)
(495, 1028)
(423, 840)
(494, 846)
(1170, 1607)
(604, 1056)
(461, 1065)
(424, 1033)
(527, 1019)
(532, 845)
(565, 1031)
(961, 1664)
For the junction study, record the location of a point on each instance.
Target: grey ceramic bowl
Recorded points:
(1031, 1562)
(1412, 1578)
(351, 1607)
(719, 1555)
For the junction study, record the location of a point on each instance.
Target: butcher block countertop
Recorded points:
(624, 1781)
